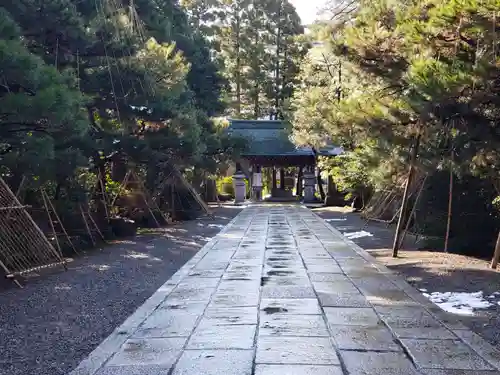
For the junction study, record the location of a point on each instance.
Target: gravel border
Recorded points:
(52, 324)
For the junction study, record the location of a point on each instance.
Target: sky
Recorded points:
(307, 9)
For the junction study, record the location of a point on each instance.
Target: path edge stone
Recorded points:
(110, 345)
(466, 335)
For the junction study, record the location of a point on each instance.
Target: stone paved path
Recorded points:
(279, 292)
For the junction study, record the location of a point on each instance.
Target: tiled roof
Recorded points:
(271, 138)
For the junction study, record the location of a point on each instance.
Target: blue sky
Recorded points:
(307, 9)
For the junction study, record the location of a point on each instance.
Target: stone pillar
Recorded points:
(239, 186)
(274, 178)
(257, 183)
(282, 178)
(309, 184)
(299, 186)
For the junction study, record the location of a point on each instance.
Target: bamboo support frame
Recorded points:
(24, 247)
(47, 200)
(87, 226)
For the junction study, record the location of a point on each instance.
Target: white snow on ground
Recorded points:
(338, 219)
(219, 226)
(460, 303)
(360, 234)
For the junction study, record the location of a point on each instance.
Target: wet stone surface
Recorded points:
(445, 354)
(374, 363)
(280, 293)
(282, 324)
(296, 350)
(364, 338)
(297, 370)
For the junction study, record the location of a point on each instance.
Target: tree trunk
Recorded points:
(278, 46)
(238, 65)
(320, 186)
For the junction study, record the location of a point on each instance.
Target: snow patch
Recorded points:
(360, 234)
(218, 226)
(459, 303)
(338, 219)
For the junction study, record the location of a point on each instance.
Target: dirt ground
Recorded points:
(427, 270)
(60, 316)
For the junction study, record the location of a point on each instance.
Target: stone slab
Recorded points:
(246, 315)
(335, 287)
(287, 292)
(324, 268)
(167, 323)
(297, 370)
(215, 362)
(407, 317)
(296, 350)
(444, 354)
(374, 363)
(191, 293)
(189, 307)
(341, 299)
(481, 347)
(160, 351)
(207, 273)
(457, 372)
(328, 277)
(364, 338)
(347, 316)
(292, 325)
(390, 298)
(440, 333)
(234, 300)
(302, 306)
(134, 370)
(210, 336)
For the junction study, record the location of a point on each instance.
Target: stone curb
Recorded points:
(100, 355)
(473, 340)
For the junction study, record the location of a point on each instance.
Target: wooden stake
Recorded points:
(412, 213)
(450, 201)
(51, 223)
(18, 192)
(496, 255)
(87, 226)
(60, 222)
(404, 203)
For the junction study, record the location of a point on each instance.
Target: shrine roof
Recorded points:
(272, 138)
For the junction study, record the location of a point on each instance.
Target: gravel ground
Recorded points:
(48, 327)
(433, 271)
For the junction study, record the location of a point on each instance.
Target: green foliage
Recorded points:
(252, 41)
(83, 82)
(393, 71)
(225, 186)
(390, 71)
